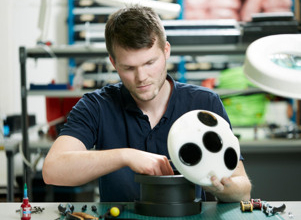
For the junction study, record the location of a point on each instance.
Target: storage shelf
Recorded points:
(58, 93)
(68, 51)
(80, 93)
(99, 49)
(223, 49)
(94, 10)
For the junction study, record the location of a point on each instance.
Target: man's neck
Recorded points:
(156, 108)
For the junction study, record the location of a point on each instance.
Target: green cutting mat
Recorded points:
(210, 210)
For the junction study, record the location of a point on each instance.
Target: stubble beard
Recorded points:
(148, 97)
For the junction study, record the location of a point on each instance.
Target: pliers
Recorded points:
(271, 210)
(80, 216)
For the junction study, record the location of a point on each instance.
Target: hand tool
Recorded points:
(84, 208)
(65, 209)
(80, 216)
(94, 209)
(271, 210)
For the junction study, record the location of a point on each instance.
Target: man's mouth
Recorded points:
(143, 87)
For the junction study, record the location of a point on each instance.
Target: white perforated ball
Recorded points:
(201, 144)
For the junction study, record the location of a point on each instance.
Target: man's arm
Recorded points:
(232, 189)
(69, 163)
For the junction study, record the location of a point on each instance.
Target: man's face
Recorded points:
(143, 71)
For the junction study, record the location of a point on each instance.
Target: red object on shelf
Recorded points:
(57, 107)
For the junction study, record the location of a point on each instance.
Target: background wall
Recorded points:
(19, 27)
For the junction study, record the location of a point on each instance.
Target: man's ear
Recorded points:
(167, 50)
(112, 61)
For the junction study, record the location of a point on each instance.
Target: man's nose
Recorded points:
(140, 74)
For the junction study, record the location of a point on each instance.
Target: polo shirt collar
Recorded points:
(172, 98)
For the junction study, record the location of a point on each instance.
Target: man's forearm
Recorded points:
(72, 168)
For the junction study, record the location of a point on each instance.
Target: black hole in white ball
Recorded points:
(230, 158)
(212, 142)
(207, 119)
(190, 154)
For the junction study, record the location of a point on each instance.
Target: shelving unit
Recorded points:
(58, 93)
(86, 25)
(39, 52)
(86, 22)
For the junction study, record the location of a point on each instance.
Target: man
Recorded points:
(128, 122)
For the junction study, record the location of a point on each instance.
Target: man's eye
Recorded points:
(150, 62)
(129, 68)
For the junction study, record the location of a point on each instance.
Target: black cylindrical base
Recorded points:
(168, 209)
(166, 196)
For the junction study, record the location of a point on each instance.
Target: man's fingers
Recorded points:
(164, 167)
(152, 164)
(217, 184)
(158, 172)
(167, 169)
(226, 181)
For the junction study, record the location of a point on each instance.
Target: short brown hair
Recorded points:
(134, 27)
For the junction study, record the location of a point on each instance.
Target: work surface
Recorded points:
(210, 210)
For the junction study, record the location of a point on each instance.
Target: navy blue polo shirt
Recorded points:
(109, 118)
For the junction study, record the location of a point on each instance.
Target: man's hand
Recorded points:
(235, 188)
(148, 163)
(218, 186)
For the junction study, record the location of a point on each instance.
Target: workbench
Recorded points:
(271, 164)
(210, 210)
